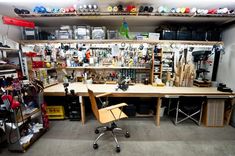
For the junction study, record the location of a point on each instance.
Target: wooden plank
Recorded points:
(49, 85)
(158, 107)
(135, 90)
(8, 49)
(83, 112)
(228, 112)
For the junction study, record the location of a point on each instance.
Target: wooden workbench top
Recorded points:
(136, 90)
(81, 89)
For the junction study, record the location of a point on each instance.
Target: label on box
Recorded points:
(154, 36)
(29, 32)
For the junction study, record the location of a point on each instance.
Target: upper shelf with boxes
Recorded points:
(93, 35)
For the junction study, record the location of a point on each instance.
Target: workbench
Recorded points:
(137, 90)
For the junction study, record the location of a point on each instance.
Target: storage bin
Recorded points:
(184, 35)
(98, 32)
(112, 34)
(30, 34)
(198, 35)
(168, 35)
(37, 64)
(55, 112)
(65, 32)
(130, 110)
(143, 109)
(154, 36)
(162, 111)
(81, 32)
(214, 35)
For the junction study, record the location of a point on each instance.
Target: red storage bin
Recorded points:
(38, 64)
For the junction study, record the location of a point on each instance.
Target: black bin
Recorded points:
(184, 35)
(214, 35)
(199, 35)
(143, 109)
(168, 35)
(130, 110)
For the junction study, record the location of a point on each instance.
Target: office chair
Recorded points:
(107, 115)
(190, 107)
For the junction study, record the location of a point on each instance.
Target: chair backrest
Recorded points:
(93, 104)
(193, 102)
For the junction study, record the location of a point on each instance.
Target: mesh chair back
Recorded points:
(93, 104)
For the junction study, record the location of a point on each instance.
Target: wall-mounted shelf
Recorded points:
(8, 49)
(44, 68)
(133, 19)
(8, 70)
(84, 14)
(120, 41)
(111, 67)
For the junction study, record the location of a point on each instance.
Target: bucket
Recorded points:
(162, 111)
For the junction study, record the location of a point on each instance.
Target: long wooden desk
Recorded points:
(138, 90)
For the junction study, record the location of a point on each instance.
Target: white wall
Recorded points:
(226, 71)
(14, 33)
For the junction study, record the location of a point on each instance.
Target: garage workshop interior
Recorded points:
(127, 77)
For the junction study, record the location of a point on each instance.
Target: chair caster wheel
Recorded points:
(96, 131)
(118, 149)
(127, 135)
(95, 146)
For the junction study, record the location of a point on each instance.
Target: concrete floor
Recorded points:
(66, 138)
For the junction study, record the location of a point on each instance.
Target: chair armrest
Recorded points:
(115, 106)
(104, 94)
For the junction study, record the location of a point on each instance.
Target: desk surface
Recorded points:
(137, 90)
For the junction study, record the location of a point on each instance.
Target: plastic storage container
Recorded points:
(198, 35)
(154, 36)
(184, 35)
(65, 32)
(143, 109)
(55, 112)
(30, 34)
(130, 110)
(112, 34)
(98, 32)
(214, 35)
(81, 32)
(168, 35)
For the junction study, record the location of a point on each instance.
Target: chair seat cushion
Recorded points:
(106, 116)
